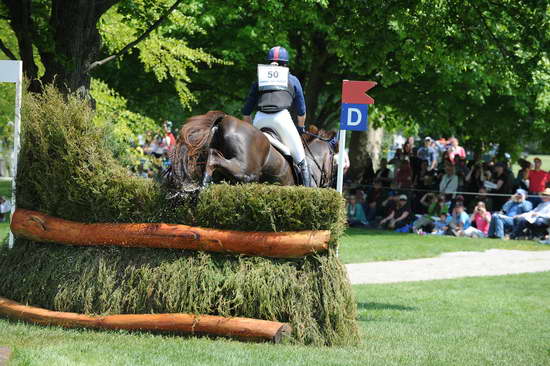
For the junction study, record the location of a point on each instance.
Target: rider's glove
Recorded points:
(301, 129)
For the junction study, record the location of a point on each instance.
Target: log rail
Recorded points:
(40, 227)
(241, 328)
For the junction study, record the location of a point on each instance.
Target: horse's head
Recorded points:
(190, 153)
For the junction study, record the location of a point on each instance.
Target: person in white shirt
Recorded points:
(538, 217)
(449, 181)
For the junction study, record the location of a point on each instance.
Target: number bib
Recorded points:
(271, 77)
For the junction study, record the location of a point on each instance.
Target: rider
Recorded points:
(273, 99)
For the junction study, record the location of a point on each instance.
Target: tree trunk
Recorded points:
(67, 45)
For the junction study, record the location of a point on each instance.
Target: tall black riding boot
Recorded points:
(306, 175)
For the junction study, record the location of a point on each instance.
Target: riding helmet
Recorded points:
(278, 54)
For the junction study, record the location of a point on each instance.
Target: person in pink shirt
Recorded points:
(538, 178)
(482, 219)
(454, 149)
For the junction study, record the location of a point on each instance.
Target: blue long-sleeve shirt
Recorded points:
(299, 101)
(512, 208)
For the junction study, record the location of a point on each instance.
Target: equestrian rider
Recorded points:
(275, 92)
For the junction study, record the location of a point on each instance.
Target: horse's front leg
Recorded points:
(233, 167)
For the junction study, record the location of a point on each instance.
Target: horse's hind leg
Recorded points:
(230, 167)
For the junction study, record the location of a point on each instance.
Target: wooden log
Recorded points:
(240, 328)
(40, 227)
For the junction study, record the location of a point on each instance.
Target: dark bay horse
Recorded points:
(216, 146)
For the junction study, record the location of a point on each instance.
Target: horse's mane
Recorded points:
(193, 137)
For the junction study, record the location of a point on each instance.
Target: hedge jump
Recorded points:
(40, 227)
(241, 328)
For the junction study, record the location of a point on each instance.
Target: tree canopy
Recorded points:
(475, 69)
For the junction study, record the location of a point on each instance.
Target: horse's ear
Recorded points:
(216, 116)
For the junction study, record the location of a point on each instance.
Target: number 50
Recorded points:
(273, 74)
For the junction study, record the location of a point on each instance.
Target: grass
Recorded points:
(471, 321)
(360, 245)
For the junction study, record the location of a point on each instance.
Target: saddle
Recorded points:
(276, 142)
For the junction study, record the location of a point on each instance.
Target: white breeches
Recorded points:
(281, 123)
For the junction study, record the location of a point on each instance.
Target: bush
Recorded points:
(67, 170)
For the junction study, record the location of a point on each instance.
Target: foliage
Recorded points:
(165, 59)
(124, 126)
(262, 207)
(66, 168)
(313, 294)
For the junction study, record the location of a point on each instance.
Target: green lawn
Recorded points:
(360, 245)
(472, 321)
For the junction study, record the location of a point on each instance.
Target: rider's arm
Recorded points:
(299, 100)
(251, 103)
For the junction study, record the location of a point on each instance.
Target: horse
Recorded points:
(216, 146)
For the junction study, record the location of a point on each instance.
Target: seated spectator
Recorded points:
(503, 221)
(457, 221)
(504, 182)
(375, 197)
(482, 196)
(481, 218)
(428, 154)
(383, 174)
(436, 206)
(536, 218)
(356, 215)
(399, 217)
(458, 200)
(449, 181)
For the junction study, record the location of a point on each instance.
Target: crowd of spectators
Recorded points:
(154, 149)
(434, 189)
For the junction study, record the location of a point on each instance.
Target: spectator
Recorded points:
(5, 208)
(403, 173)
(368, 173)
(355, 213)
(522, 179)
(408, 147)
(457, 221)
(455, 149)
(449, 181)
(462, 171)
(503, 221)
(475, 178)
(504, 182)
(375, 197)
(383, 174)
(169, 139)
(399, 217)
(485, 198)
(536, 218)
(428, 154)
(537, 180)
(436, 206)
(482, 219)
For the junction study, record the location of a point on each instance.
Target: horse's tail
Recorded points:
(195, 135)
